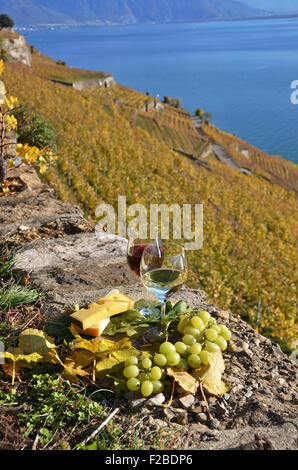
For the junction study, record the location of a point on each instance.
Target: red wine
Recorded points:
(134, 257)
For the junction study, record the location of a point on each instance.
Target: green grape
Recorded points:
(166, 347)
(190, 330)
(156, 373)
(205, 316)
(146, 363)
(204, 356)
(144, 376)
(216, 327)
(211, 334)
(133, 384)
(131, 371)
(160, 360)
(212, 347)
(225, 332)
(189, 340)
(221, 342)
(173, 358)
(197, 322)
(147, 388)
(194, 361)
(180, 347)
(201, 336)
(157, 386)
(211, 322)
(132, 361)
(183, 364)
(185, 323)
(195, 348)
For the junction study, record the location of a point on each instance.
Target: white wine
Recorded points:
(164, 282)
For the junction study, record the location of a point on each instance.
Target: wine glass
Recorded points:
(135, 248)
(163, 275)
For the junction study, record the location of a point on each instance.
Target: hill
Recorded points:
(108, 146)
(275, 6)
(31, 12)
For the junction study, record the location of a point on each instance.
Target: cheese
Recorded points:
(93, 330)
(106, 307)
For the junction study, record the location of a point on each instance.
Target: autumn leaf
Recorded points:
(184, 379)
(22, 360)
(32, 340)
(94, 345)
(210, 375)
(72, 368)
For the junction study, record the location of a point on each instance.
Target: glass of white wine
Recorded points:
(163, 274)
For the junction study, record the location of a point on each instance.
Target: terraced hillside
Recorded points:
(248, 260)
(275, 169)
(172, 126)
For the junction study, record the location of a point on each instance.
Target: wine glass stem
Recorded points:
(163, 314)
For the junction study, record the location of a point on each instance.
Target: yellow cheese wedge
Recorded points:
(105, 308)
(93, 330)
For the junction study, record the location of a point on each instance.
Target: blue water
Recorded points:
(240, 71)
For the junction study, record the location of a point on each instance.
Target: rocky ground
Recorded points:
(59, 252)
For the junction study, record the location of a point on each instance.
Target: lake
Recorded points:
(240, 71)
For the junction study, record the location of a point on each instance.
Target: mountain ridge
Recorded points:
(33, 12)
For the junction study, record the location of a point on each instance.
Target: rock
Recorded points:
(157, 400)
(202, 417)
(214, 423)
(182, 417)
(169, 414)
(73, 249)
(136, 404)
(16, 49)
(187, 401)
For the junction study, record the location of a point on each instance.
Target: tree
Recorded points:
(6, 21)
(200, 112)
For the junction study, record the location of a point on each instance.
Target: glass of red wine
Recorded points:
(135, 249)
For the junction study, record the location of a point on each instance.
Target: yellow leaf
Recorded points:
(184, 379)
(210, 375)
(71, 368)
(42, 168)
(23, 359)
(33, 340)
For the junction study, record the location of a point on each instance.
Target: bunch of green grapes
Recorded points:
(143, 375)
(201, 336)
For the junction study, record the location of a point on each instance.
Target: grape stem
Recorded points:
(206, 402)
(172, 395)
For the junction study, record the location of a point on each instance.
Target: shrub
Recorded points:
(6, 21)
(34, 129)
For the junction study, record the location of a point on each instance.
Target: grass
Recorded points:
(14, 294)
(82, 78)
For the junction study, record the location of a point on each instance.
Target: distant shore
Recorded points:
(100, 24)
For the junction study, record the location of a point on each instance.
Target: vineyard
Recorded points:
(275, 169)
(169, 125)
(248, 260)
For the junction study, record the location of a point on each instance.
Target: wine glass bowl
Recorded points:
(163, 274)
